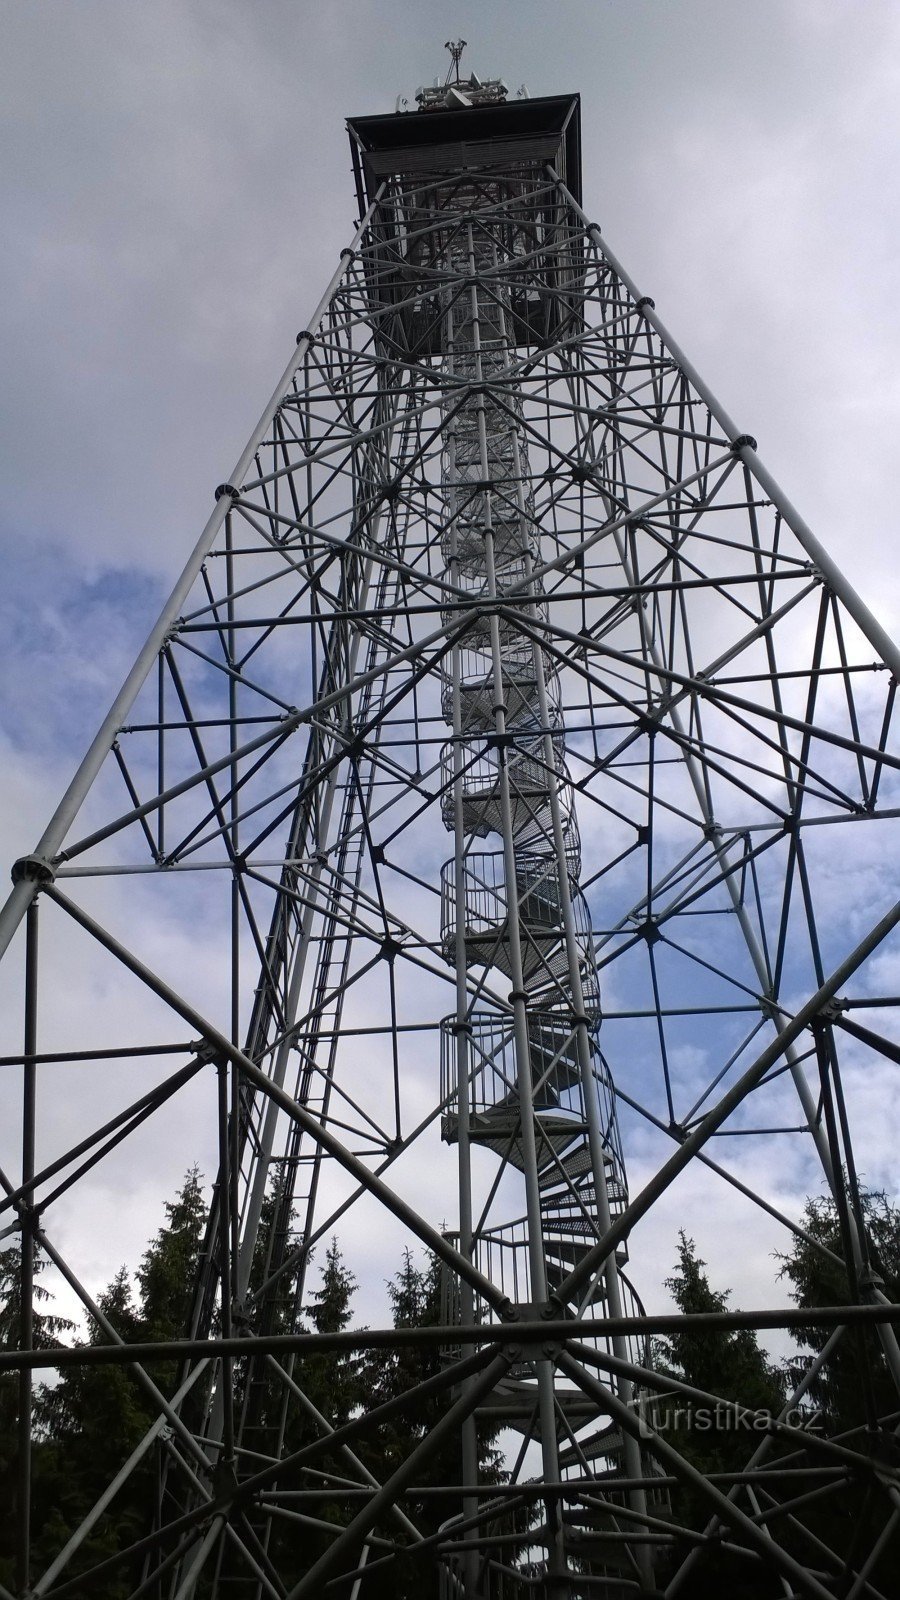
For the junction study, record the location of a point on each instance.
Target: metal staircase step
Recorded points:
(496, 1128)
(515, 1400)
(607, 1441)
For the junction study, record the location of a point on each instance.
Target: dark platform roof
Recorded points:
(548, 129)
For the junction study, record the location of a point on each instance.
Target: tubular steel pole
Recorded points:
(500, 1333)
(557, 1561)
(463, 1033)
(26, 1308)
(302, 947)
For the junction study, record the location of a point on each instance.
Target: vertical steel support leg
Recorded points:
(469, 1440)
(557, 1563)
(26, 1309)
(637, 1497)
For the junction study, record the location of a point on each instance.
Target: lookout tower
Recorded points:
(492, 755)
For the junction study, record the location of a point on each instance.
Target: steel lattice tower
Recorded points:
(501, 676)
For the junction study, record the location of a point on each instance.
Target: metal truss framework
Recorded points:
(501, 673)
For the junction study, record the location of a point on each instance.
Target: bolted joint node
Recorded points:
(553, 1310)
(227, 488)
(33, 869)
(832, 1009)
(645, 300)
(208, 1052)
(307, 335)
(390, 949)
(744, 441)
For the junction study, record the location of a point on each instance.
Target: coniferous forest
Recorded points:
(88, 1421)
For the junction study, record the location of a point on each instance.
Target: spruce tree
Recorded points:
(727, 1363)
(855, 1389)
(335, 1380)
(330, 1381)
(856, 1379)
(47, 1331)
(90, 1422)
(730, 1365)
(415, 1298)
(94, 1416)
(169, 1265)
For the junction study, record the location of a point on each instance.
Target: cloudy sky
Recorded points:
(176, 188)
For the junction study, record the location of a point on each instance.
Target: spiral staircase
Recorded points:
(511, 901)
